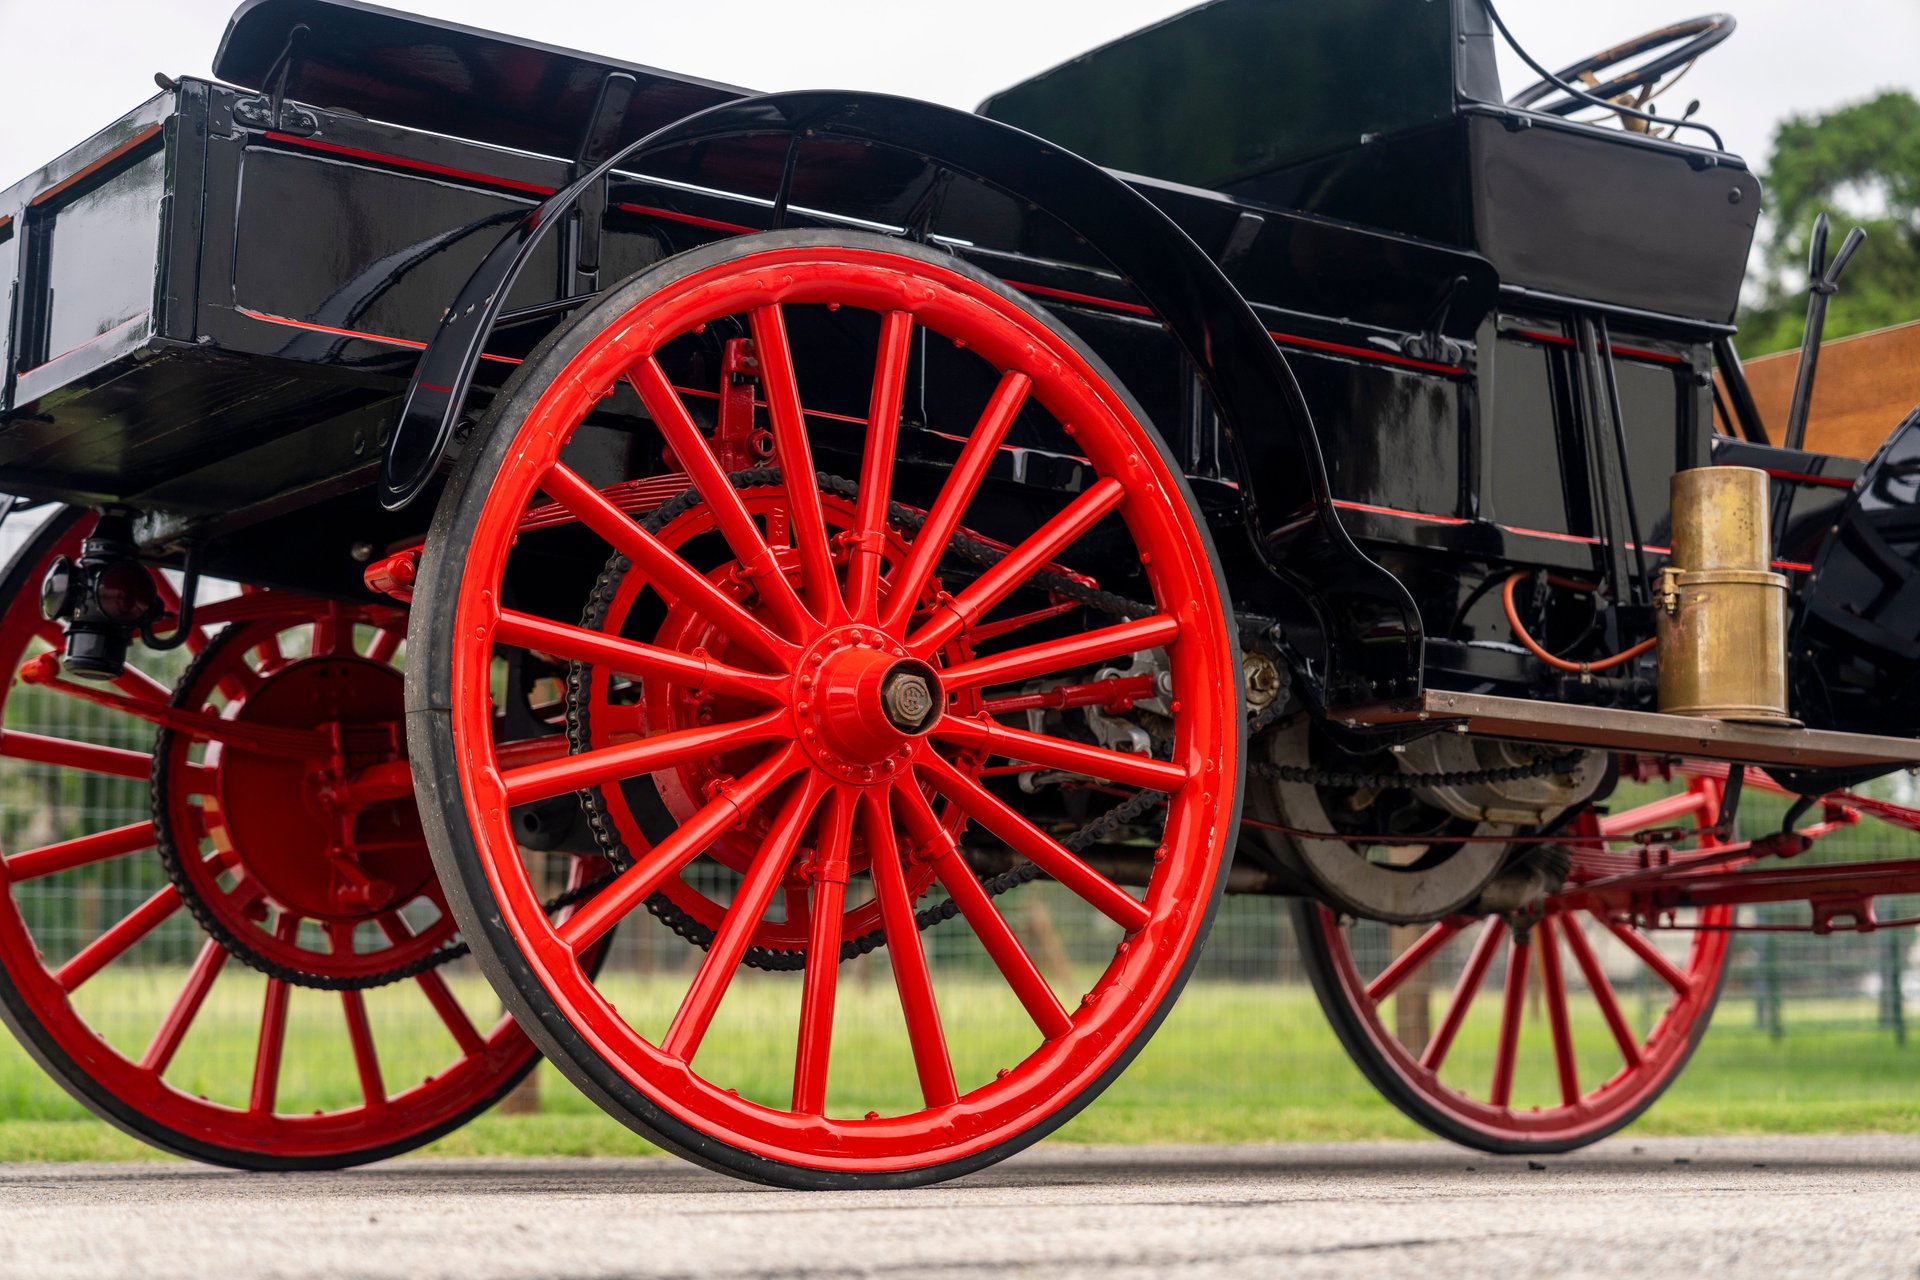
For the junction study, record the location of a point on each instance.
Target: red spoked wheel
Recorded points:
(1622, 1013)
(275, 803)
(802, 702)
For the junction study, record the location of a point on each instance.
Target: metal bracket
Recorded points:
(580, 269)
(286, 117)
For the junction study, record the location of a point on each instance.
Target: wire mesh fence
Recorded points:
(1810, 1030)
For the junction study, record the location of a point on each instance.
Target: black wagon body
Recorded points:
(238, 356)
(1422, 365)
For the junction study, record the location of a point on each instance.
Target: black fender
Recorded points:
(1854, 642)
(1351, 628)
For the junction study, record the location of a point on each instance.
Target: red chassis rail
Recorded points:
(1841, 895)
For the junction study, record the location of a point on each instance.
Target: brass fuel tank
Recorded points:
(1722, 621)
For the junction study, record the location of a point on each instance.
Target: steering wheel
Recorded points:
(1682, 43)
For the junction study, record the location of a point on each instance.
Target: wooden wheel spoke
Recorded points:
(730, 514)
(271, 1044)
(1036, 550)
(435, 988)
(1049, 656)
(385, 643)
(1602, 990)
(876, 467)
(81, 851)
(1060, 753)
(173, 1028)
(272, 657)
(983, 917)
(366, 1060)
(795, 455)
(530, 782)
(744, 914)
(329, 634)
(1412, 960)
(651, 869)
(954, 498)
(1642, 946)
(662, 566)
(1463, 992)
(115, 942)
(825, 902)
(925, 1034)
(635, 658)
(1565, 1066)
(272, 1041)
(1034, 844)
(1512, 1009)
(447, 1005)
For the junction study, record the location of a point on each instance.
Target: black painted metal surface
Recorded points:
(444, 77)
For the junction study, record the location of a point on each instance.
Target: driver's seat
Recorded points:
(1388, 114)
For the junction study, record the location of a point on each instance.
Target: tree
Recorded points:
(1859, 164)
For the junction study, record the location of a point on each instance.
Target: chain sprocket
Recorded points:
(159, 783)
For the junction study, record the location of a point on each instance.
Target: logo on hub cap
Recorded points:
(907, 700)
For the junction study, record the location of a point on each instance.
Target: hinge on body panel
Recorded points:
(271, 110)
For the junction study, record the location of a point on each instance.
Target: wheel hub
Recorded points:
(295, 823)
(863, 704)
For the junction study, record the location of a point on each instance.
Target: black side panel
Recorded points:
(1596, 214)
(1571, 210)
(446, 78)
(1239, 87)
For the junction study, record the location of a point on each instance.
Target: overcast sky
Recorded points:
(72, 65)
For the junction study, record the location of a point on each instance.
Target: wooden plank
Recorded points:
(1867, 384)
(1654, 733)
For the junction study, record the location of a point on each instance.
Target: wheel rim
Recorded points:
(290, 1090)
(1585, 1072)
(837, 660)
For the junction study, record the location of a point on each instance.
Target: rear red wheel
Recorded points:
(257, 779)
(1554, 1031)
(803, 695)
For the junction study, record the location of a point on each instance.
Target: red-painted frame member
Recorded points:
(1717, 886)
(960, 1123)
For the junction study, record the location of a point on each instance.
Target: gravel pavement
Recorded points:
(1773, 1207)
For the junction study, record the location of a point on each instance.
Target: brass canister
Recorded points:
(1723, 613)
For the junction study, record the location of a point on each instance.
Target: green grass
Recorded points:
(1235, 1063)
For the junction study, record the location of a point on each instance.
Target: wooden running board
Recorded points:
(1643, 731)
